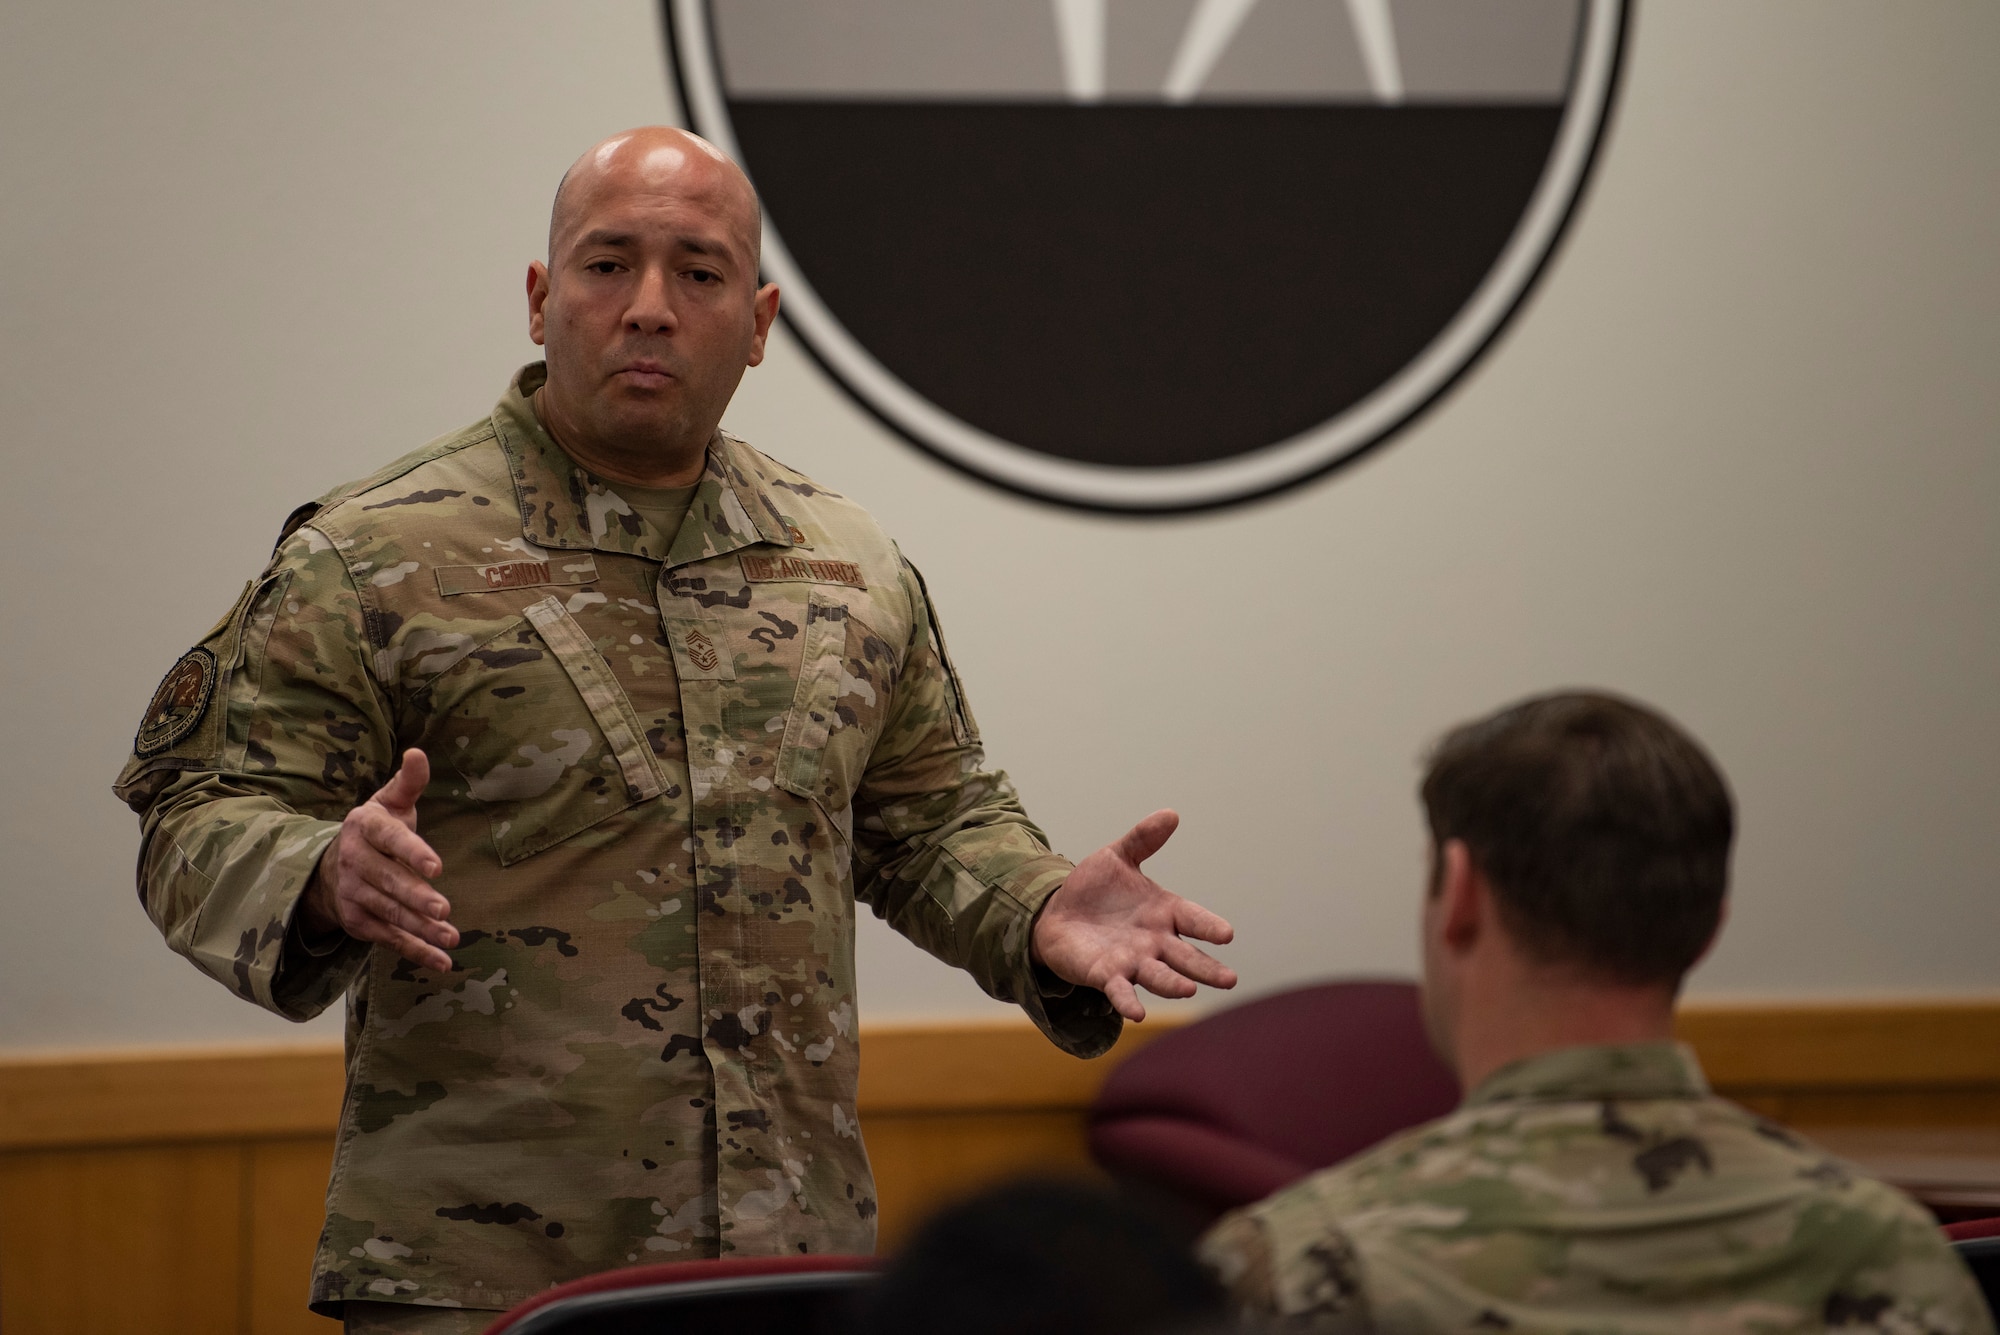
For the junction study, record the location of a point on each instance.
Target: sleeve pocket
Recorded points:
(602, 695)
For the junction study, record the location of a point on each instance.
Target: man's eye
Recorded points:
(602, 266)
(702, 275)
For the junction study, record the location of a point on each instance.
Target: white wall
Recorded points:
(1737, 458)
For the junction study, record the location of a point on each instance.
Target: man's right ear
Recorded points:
(1465, 901)
(538, 295)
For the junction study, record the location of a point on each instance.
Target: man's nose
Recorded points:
(651, 310)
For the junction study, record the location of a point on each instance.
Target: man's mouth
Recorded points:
(646, 373)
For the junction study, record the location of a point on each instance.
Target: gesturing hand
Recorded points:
(1111, 926)
(373, 881)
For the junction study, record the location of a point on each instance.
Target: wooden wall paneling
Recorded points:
(946, 1110)
(1764, 1105)
(287, 1205)
(167, 1094)
(1004, 1064)
(1913, 1108)
(923, 1161)
(196, 1177)
(1917, 1063)
(1847, 1045)
(124, 1240)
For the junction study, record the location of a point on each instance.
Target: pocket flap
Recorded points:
(544, 738)
(607, 703)
(810, 724)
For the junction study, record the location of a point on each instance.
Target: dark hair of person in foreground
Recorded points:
(1603, 828)
(1041, 1258)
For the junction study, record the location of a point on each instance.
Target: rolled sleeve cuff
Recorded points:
(1077, 1019)
(313, 968)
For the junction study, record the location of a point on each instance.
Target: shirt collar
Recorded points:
(564, 505)
(1582, 1074)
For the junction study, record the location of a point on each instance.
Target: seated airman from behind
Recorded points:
(1589, 1181)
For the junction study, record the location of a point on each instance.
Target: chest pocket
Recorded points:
(541, 733)
(846, 677)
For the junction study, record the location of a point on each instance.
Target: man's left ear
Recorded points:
(764, 310)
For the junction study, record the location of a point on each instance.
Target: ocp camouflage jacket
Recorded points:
(1598, 1189)
(664, 768)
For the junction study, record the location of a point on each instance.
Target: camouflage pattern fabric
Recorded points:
(1595, 1189)
(664, 769)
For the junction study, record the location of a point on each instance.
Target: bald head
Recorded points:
(657, 159)
(649, 308)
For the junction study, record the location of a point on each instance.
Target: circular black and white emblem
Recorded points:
(1152, 255)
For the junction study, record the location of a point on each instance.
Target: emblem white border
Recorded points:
(1180, 488)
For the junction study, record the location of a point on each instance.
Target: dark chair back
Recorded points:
(1982, 1257)
(1248, 1100)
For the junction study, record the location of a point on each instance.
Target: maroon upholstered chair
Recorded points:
(1248, 1100)
(752, 1295)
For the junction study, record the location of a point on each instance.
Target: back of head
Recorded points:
(1040, 1258)
(1603, 828)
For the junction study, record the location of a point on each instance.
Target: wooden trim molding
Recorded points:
(154, 1095)
(1847, 1045)
(983, 1066)
(262, 1091)
(126, 1097)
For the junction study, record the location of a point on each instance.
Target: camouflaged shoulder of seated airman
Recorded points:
(1548, 1211)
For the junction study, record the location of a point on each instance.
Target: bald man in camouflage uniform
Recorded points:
(1589, 1181)
(564, 748)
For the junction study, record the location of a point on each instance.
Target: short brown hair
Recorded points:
(1603, 828)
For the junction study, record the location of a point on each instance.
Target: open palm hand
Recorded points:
(1114, 928)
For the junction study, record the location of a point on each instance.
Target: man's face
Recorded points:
(649, 308)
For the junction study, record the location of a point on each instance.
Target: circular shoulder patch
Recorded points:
(178, 705)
